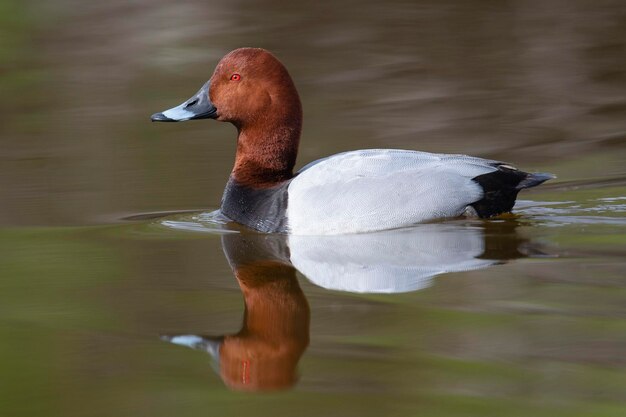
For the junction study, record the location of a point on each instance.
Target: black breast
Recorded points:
(263, 209)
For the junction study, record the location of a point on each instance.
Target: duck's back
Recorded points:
(378, 189)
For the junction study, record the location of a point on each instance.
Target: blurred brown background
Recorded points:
(538, 83)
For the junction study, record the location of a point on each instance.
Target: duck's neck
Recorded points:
(267, 150)
(276, 309)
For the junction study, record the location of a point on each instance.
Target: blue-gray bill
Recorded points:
(199, 106)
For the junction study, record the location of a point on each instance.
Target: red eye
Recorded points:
(235, 77)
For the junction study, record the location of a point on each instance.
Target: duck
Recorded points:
(351, 192)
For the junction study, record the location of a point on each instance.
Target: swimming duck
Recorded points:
(351, 192)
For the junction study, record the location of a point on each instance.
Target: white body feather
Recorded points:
(378, 189)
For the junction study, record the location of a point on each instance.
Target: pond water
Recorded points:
(122, 293)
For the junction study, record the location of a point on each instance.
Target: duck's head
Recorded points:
(249, 86)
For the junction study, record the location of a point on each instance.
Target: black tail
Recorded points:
(534, 179)
(501, 187)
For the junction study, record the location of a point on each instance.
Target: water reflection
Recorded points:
(405, 259)
(264, 354)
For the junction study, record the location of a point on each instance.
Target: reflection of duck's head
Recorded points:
(264, 354)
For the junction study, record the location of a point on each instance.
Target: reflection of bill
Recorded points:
(264, 354)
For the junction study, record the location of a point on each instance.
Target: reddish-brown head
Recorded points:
(252, 89)
(250, 85)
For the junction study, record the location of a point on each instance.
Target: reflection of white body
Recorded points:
(388, 262)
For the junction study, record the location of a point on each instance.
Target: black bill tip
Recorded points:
(160, 117)
(199, 106)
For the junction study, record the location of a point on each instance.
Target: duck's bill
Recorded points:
(209, 344)
(199, 106)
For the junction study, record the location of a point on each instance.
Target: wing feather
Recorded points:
(369, 190)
